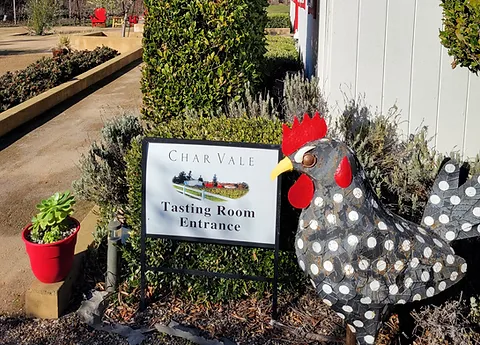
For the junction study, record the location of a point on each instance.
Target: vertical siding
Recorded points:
(390, 51)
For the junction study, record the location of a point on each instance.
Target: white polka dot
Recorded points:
(463, 268)
(314, 269)
(365, 300)
(353, 216)
(300, 243)
(420, 238)
(437, 267)
(302, 265)
(453, 276)
(371, 242)
(455, 200)
(340, 315)
(381, 265)
(393, 289)
(352, 240)
(357, 193)
(478, 179)
(427, 252)
(450, 259)
(319, 201)
(406, 245)
(313, 283)
(328, 266)
(332, 219)
(316, 247)
(422, 231)
(333, 246)
(327, 302)
(470, 191)
(338, 198)
(443, 219)
(382, 226)
(466, 227)
(443, 185)
(358, 323)
(369, 315)
(414, 263)
(302, 223)
(344, 289)
(425, 276)
(434, 199)
(450, 235)
(401, 301)
(327, 289)
(314, 225)
(369, 339)
(417, 297)
(399, 227)
(389, 245)
(442, 286)
(478, 228)
(438, 243)
(476, 211)
(352, 329)
(398, 265)
(363, 264)
(374, 204)
(430, 291)
(375, 285)
(408, 282)
(453, 251)
(449, 168)
(348, 269)
(428, 220)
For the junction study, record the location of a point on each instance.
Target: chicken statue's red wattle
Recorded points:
(362, 259)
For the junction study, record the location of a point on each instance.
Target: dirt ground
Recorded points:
(41, 158)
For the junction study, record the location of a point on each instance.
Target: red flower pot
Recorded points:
(51, 262)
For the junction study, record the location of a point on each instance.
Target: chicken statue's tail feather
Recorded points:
(453, 211)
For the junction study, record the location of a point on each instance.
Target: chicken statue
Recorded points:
(361, 258)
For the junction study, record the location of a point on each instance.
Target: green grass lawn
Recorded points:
(278, 9)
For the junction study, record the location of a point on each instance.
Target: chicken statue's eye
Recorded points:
(309, 160)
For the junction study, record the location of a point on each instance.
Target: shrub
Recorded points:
(208, 256)
(41, 15)
(460, 33)
(198, 54)
(281, 57)
(278, 20)
(46, 73)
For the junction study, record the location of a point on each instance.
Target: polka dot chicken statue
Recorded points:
(361, 258)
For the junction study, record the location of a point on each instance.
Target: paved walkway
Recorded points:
(40, 159)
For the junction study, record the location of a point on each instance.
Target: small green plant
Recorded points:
(460, 34)
(51, 223)
(63, 42)
(41, 15)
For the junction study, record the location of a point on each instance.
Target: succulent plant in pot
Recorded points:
(51, 237)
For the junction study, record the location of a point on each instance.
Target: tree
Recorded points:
(41, 15)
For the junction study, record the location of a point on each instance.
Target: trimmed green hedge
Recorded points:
(461, 32)
(198, 54)
(278, 20)
(207, 256)
(281, 57)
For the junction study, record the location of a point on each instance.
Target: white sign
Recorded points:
(210, 191)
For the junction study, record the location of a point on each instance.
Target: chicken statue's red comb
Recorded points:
(301, 133)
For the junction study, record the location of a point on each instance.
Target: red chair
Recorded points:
(99, 17)
(133, 20)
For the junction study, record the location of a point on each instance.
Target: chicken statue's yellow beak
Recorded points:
(284, 165)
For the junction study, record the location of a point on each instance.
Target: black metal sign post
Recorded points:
(143, 260)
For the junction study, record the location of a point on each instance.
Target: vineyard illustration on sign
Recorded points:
(212, 190)
(361, 258)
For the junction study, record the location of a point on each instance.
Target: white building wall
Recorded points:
(389, 51)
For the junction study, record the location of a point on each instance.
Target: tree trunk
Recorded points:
(124, 25)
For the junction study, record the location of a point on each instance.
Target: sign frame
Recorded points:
(143, 261)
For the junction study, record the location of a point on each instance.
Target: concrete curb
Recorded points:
(49, 301)
(26, 111)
